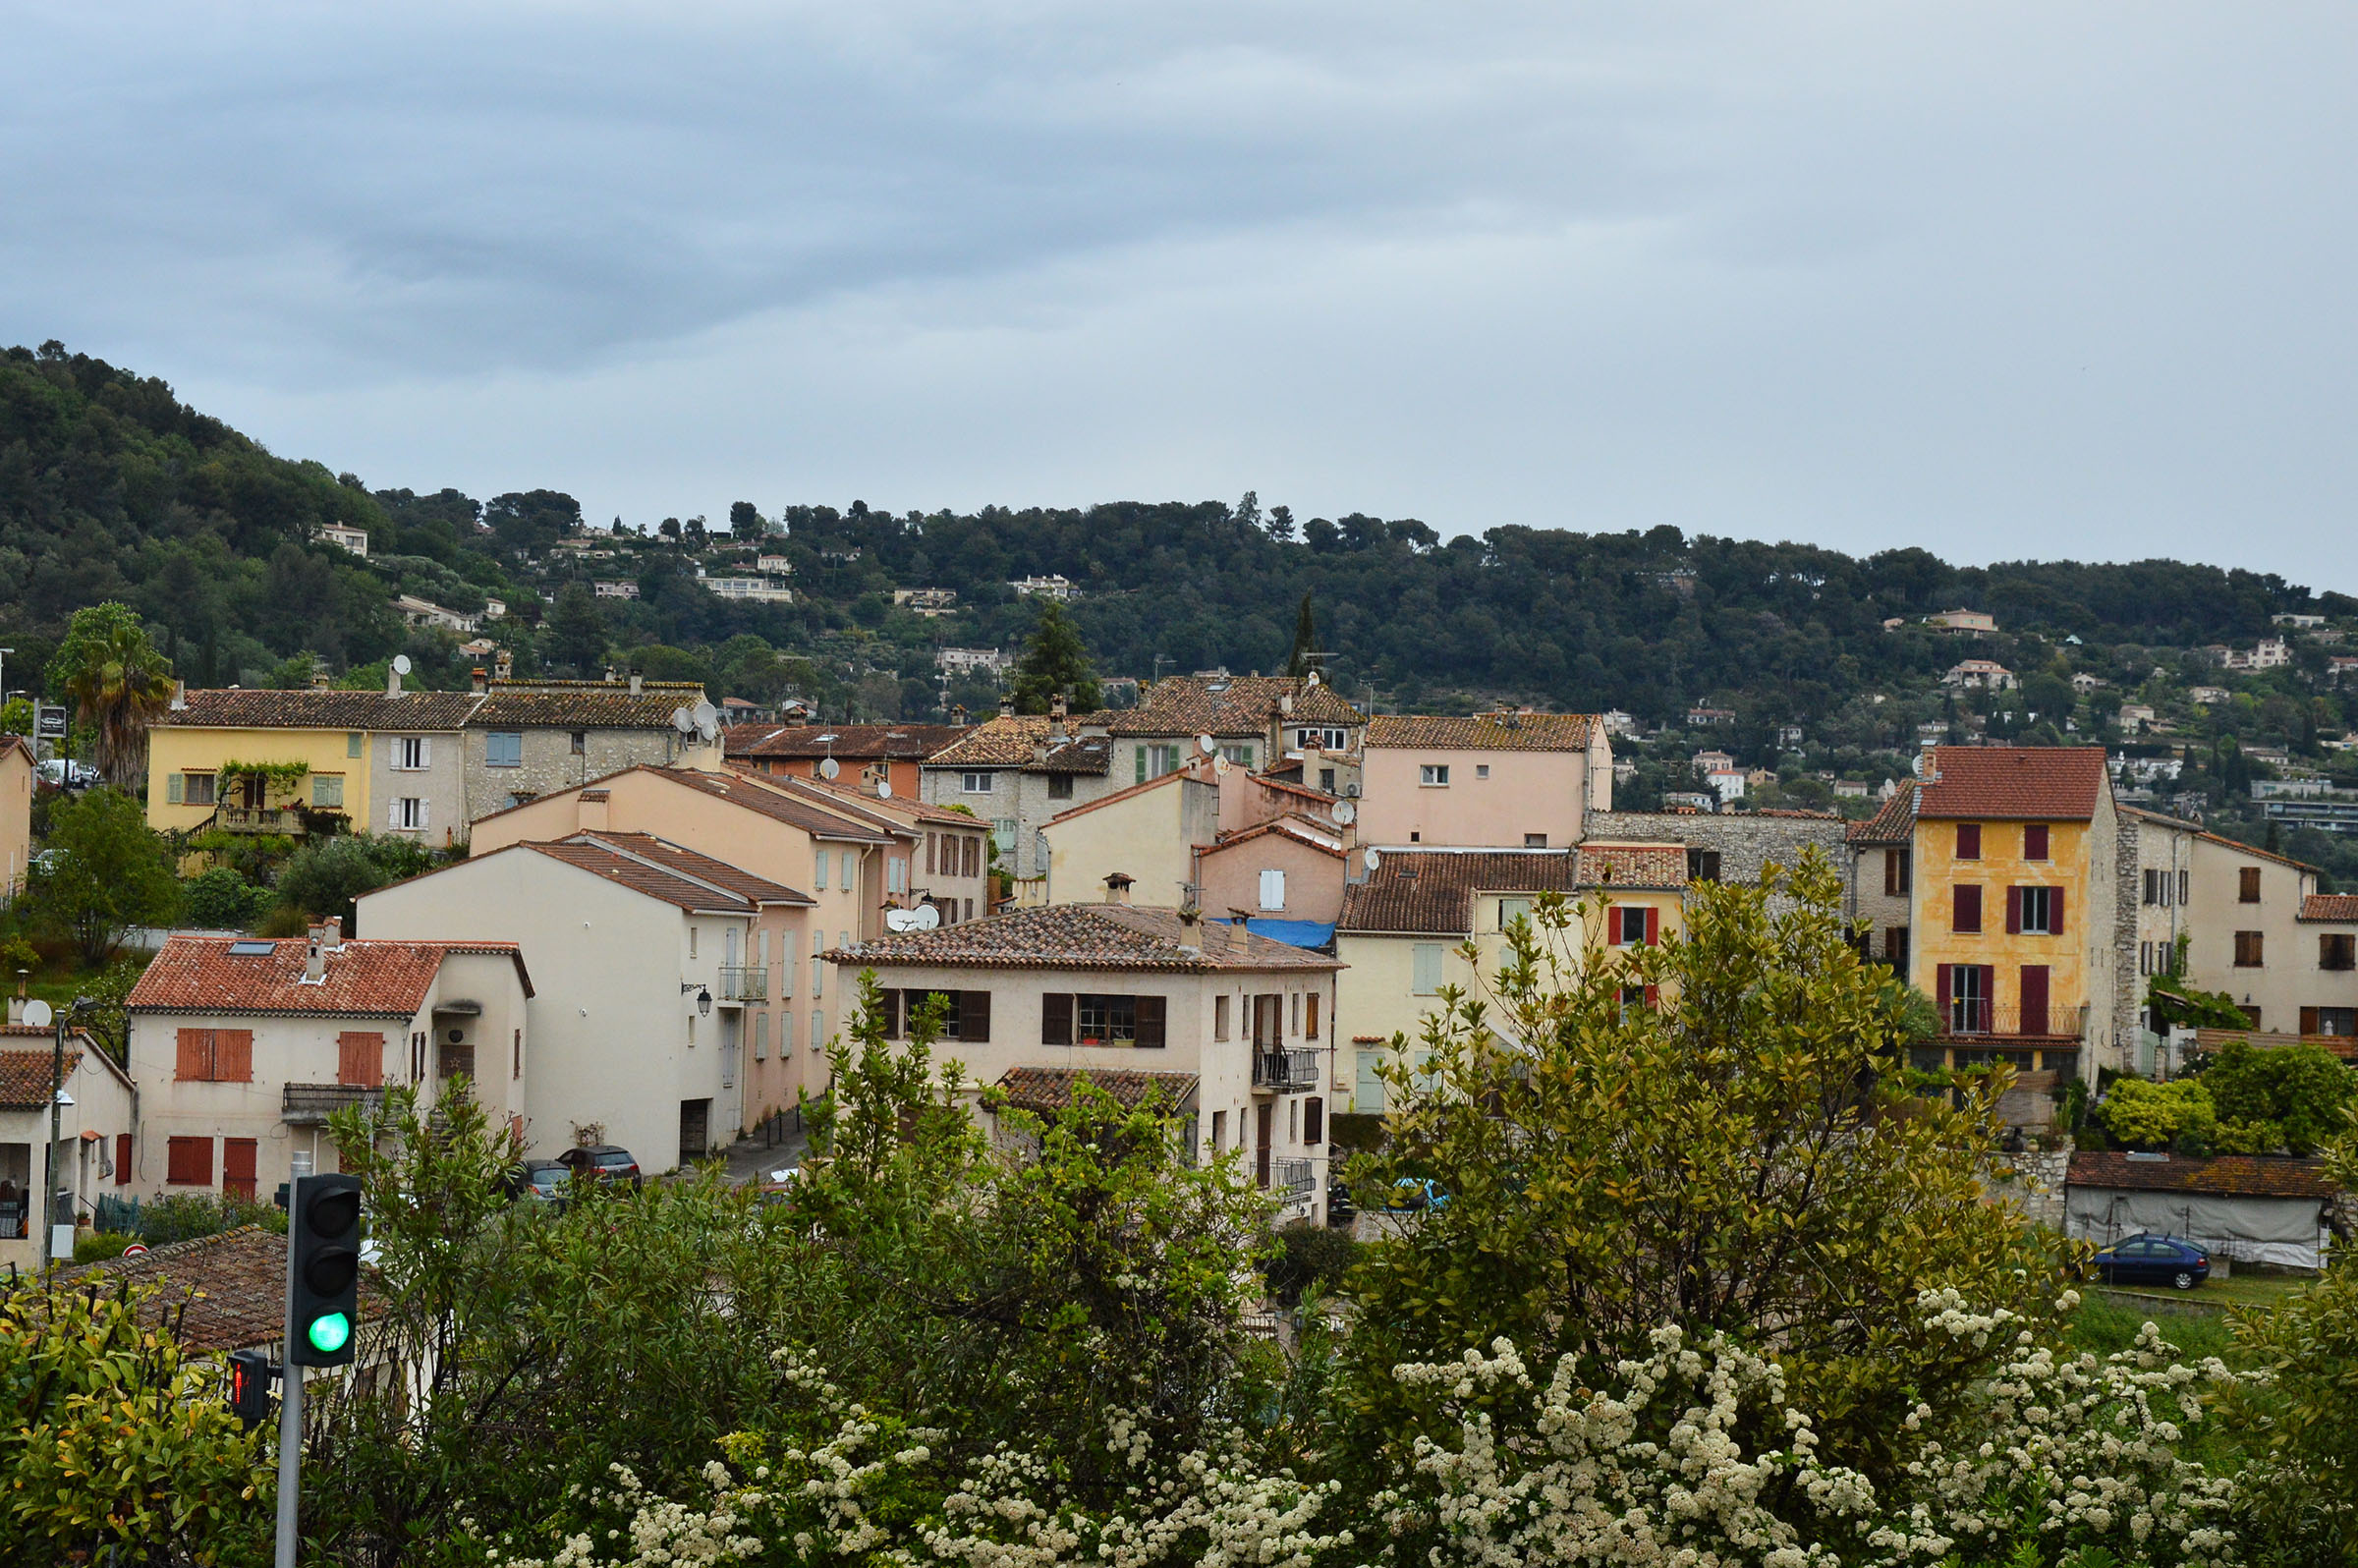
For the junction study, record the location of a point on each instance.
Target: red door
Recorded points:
(2034, 999)
(237, 1168)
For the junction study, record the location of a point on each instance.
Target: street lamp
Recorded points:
(704, 995)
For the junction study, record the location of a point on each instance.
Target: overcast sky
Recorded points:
(2002, 280)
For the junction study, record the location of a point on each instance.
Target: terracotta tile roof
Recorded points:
(858, 742)
(364, 978)
(1232, 707)
(583, 705)
(234, 1286)
(15, 744)
(312, 708)
(1081, 937)
(1049, 1089)
(739, 788)
(2329, 906)
(1484, 731)
(2061, 783)
(1295, 829)
(2228, 1176)
(898, 812)
(703, 867)
(1893, 821)
(1432, 891)
(1015, 739)
(24, 1077)
(678, 888)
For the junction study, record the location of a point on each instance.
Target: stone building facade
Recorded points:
(530, 738)
(1730, 847)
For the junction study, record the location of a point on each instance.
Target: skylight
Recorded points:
(253, 949)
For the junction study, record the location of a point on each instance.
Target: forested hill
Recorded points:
(112, 488)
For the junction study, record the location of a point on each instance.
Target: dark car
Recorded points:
(541, 1180)
(603, 1162)
(1340, 1210)
(2151, 1259)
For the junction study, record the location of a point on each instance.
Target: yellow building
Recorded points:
(1406, 921)
(2013, 909)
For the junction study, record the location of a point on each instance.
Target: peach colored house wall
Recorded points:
(1231, 878)
(15, 814)
(1524, 792)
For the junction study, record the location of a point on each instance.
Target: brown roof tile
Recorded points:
(1300, 831)
(1049, 1089)
(1432, 891)
(1232, 707)
(740, 788)
(1893, 821)
(688, 862)
(24, 1081)
(364, 978)
(1484, 731)
(312, 708)
(676, 888)
(1015, 741)
(2228, 1175)
(899, 812)
(857, 742)
(582, 706)
(1081, 937)
(2329, 906)
(2061, 783)
(234, 1286)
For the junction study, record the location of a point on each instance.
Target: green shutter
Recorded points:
(1368, 1098)
(352, 743)
(1142, 764)
(175, 786)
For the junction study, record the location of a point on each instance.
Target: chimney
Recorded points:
(609, 675)
(503, 664)
(637, 683)
(16, 1004)
(1056, 713)
(179, 696)
(479, 683)
(592, 814)
(1191, 930)
(392, 681)
(1285, 704)
(315, 956)
(1006, 707)
(1117, 887)
(319, 680)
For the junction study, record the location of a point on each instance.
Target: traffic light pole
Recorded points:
(290, 1460)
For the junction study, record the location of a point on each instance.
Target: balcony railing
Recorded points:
(1293, 1180)
(1284, 1071)
(1971, 1015)
(743, 983)
(310, 1104)
(284, 820)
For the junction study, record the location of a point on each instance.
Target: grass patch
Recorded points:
(2104, 1325)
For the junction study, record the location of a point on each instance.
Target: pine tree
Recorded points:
(1306, 641)
(1056, 661)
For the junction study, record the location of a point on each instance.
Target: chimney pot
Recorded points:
(1117, 887)
(637, 682)
(392, 681)
(609, 675)
(503, 665)
(479, 682)
(1006, 707)
(179, 696)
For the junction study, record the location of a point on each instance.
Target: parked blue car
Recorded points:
(2151, 1259)
(1411, 1194)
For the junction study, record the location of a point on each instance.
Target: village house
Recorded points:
(1502, 778)
(867, 755)
(1014, 773)
(243, 1047)
(1972, 621)
(16, 812)
(2259, 931)
(528, 737)
(343, 537)
(656, 1024)
(1973, 675)
(1231, 1032)
(1882, 877)
(1406, 917)
(95, 1143)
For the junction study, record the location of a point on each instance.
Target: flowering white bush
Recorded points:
(2067, 1453)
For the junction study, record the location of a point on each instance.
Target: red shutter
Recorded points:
(2013, 911)
(360, 1059)
(189, 1161)
(122, 1159)
(2054, 910)
(195, 1063)
(1654, 996)
(1966, 912)
(2034, 999)
(1612, 924)
(233, 1055)
(237, 1167)
(2307, 1020)
(1969, 841)
(1654, 931)
(1940, 991)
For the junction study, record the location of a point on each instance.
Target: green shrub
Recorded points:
(1308, 1256)
(185, 1217)
(223, 900)
(100, 1245)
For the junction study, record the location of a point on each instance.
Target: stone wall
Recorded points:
(2031, 1181)
(1745, 842)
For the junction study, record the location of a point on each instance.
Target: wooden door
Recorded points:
(1265, 1119)
(2034, 999)
(237, 1167)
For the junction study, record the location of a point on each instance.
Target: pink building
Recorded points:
(1504, 779)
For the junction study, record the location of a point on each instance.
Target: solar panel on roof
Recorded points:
(253, 949)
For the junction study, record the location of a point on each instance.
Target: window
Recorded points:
(199, 790)
(974, 783)
(189, 1161)
(361, 1058)
(1293, 1121)
(2249, 948)
(1966, 909)
(1481, 770)
(1896, 868)
(2337, 952)
(1969, 841)
(692, 929)
(1219, 1131)
(1297, 1012)
(2340, 1022)
(1702, 866)
(1633, 925)
(2156, 887)
(2185, 885)
(1314, 1121)
(1895, 947)
(215, 1056)
(2247, 890)
(503, 748)
(1085, 1019)
(1436, 774)
(1425, 968)
(1241, 756)
(1512, 910)
(1060, 786)
(1219, 1017)
(1535, 841)
(579, 742)
(1272, 889)
(1327, 779)
(410, 754)
(352, 743)
(1964, 1000)
(2035, 910)
(327, 790)
(2034, 841)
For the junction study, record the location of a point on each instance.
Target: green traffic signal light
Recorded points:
(329, 1333)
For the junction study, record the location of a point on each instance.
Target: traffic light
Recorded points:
(250, 1386)
(323, 1270)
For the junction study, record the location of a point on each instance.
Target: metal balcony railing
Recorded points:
(743, 983)
(310, 1104)
(1293, 1180)
(1284, 1071)
(1971, 1015)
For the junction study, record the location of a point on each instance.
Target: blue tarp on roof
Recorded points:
(1293, 933)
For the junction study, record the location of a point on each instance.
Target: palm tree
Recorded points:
(118, 680)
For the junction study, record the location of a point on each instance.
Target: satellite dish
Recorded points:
(927, 916)
(900, 920)
(828, 767)
(704, 713)
(883, 789)
(401, 664)
(828, 738)
(1375, 861)
(1344, 812)
(1220, 764)
(1203, 745)
(38, 1014)
(681, 721)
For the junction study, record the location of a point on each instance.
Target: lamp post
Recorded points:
(57, 1100)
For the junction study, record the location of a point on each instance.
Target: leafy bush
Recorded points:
(2290, 1097)
(2146, 1115)
(220, 899)
(1308, 1256)
(185, 1217)
(100, 1245)
(326, 875)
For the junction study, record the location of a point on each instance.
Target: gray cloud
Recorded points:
(2002, 280)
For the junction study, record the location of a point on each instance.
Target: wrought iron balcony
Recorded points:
(743, 983)
(1282, 1072)
(1293, 1180)
(1971, 1016)
(310, 1104)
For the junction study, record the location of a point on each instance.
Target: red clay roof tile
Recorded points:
(2061, 783)
(362, 978)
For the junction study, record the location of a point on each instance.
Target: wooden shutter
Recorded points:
(237, 1167)
(1966, 915)
(895, 1009)
(1890, 873)
(1989, 1001)
(1056, 1019)
(360, 1059)
(2034, 841)
(974, 857)
(2034, 999)
(2013, 911)
(1314, 1120)
(122, 1159)
(189, 1161)
(974, 1017)
(931, 838)
(1310, 1029)
(1969, 841)
(1654, 997)
(1941, 990)
(2054, 911)
(1653, 925)
(1150, 1021)
(2307, 1020)
(195, 1062)
(233, 1055)
(175, 785)
(1264, 1124)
